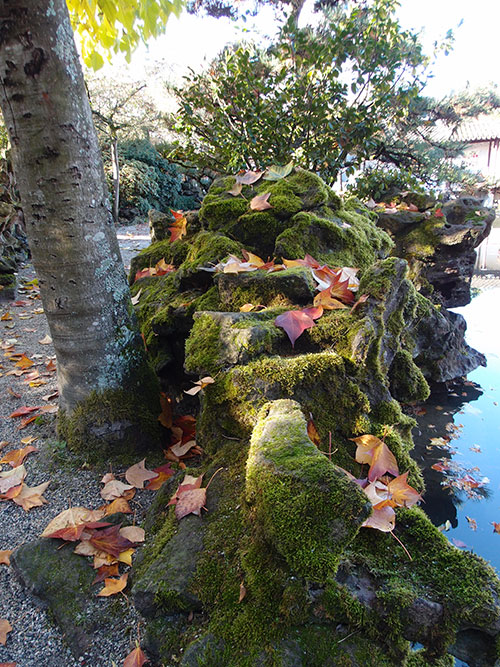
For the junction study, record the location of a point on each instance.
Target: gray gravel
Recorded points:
(35, 640)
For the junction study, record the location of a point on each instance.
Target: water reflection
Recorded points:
(457, 442)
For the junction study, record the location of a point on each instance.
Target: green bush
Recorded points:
(383, 184)
(147, 179)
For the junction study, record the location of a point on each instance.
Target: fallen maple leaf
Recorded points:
(190, 502)
(383, 519)
(113, 586)
(133, 533)
(312, 432)
(137, 474)
(5, 556)
(326, 301)
(180, 449)
(31, 497)
(236, 189)
(248, 177)
(496, 527)
(110, 540)
(16, 456)
(164, 472)
(24, 362)
(178, 228)
(24, 410)
(5, 628)
(12, 478)
(135, 658)
(117, 505)
(374, 451)
(398, 493)
(114, 489)
(243, 592)
(294, 322)
(260, 202)
(72, 517)
(46, 340)
(106, 571)
(165, 417)
(198, 386)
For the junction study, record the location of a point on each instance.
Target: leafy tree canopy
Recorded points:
(316, 96)
(106, 26)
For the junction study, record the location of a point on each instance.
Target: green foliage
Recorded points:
(117, 25)
(317, 97)
(147, 179)
(378, 183)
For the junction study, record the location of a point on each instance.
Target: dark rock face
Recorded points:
(439, 245)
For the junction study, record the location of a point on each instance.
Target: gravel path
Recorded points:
(34, 639)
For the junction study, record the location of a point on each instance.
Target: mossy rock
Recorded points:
(347, 238)
(63, 581)
(408, 384)
(283, 288)
(440, 591)
(304, 506)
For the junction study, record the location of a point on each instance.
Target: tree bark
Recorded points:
(68, 220)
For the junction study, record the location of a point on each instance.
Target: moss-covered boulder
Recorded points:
(302, 504)
(279, 571)
(439, 242)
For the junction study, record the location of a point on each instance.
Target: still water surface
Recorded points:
(463, 488)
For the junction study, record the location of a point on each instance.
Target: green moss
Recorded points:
(349, 239)
(304, 506)
(203, 345)
(283, 288)
(115, 424)
(172, 253)
(208, 248)
(421, 241)
(463, 583)
(7, 280)
(407, 381)
(218, 212)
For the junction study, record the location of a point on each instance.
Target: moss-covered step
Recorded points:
(303, 505)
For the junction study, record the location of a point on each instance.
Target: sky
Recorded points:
(190, 41)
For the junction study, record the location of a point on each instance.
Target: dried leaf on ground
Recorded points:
(114, 489)
(260, 202)
(248, 177)
(375, 452)
(5, 556)
(5, 628)
(190, 502)
(46, 340)
(135, 658)
(117, 505)
(71, 518)
(133, 533)
(16, 456)
(110, 540)
(12, 478)
(383, 519)
(113, 586)
(137, 474)
(201, 384)
(31, 497)
(106, 571)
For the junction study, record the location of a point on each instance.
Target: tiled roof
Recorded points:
(481, 128)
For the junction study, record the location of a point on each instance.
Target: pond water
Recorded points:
(457, 442)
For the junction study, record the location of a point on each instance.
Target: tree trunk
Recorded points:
(116, 177)
(105, 383)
